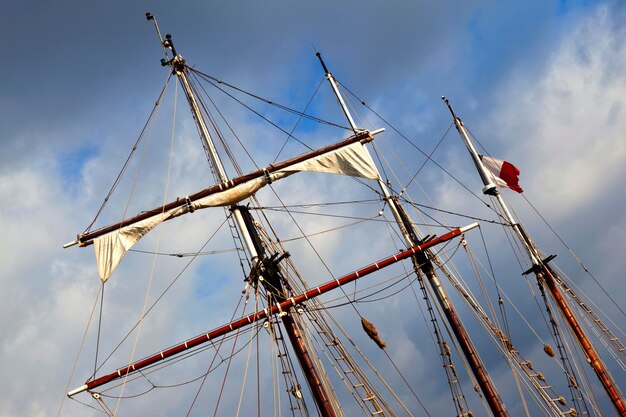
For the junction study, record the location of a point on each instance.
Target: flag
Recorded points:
(503, 173)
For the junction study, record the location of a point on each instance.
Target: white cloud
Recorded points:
(573, 103)
(564, 125)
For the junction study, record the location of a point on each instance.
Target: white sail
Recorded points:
(352, 160)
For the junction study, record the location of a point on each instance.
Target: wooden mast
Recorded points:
(545, 274)
(248, 235)
(422, 263)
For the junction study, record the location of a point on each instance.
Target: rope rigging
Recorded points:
(288, 285)
(412, 143)
(213, 80)
(148, 123)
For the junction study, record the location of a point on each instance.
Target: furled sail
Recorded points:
(111, 247)
(349, 157)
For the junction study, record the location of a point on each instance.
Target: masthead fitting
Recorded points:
(167, 43)
(149, 16)
(445, 100)
(319, 56)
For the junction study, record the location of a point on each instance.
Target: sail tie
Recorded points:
(371, 331)
(189, 205)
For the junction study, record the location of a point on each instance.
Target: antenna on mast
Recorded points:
(165, 44)
(445, 100)
(322, 62)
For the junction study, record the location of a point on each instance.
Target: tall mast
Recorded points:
(545, 274)
(421, 262)
(260, 265)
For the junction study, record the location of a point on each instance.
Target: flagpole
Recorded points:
(546, 275)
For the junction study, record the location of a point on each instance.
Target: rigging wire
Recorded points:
(174, 360)
(185, 254)
(329, 203)
(318, 255)
(363, 299)
(219, 134)
(332, 341)
(215, 356)
(171, 284)
(153, 113)
(439, 343)
(524, 319)
(154, 262)
(95, 365)
(496, 284)
(300, 117)
(212, 80)
(257, 113)
(258, 360)
(410, 142)
(407, 383)
(219, 397)
(80, 349)
(580, 262)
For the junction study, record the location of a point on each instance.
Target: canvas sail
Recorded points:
(351, 160)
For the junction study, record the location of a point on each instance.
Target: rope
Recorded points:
(145, 302)
(80, 349)
(185, 254)
(162, 294)
(95, 365)
(218, 132)
(319, 256)
(134, 148)
(418, 148)
(298, 121)
(496, 285)
(219, 397)
(580, 262)
(204, 377)
(280, 106)
(407, 383)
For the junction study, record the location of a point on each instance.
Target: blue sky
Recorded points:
(541, 84)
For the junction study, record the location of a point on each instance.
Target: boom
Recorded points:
(260, 315)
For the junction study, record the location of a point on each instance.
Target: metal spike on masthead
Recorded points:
(150, 16)
(445, 100)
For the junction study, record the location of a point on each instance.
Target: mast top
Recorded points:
(319, 56)
(445, 100)
(165, 43)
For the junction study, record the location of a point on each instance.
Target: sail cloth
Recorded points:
(352, 160)
(503, 173)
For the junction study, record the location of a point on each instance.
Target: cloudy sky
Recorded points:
(539, 83)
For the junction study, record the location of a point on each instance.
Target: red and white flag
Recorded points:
(503, 173)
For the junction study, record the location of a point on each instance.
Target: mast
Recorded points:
(249, 235)
(421, 262)
(545, 274)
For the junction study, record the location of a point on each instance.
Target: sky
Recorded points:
(539, 83)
